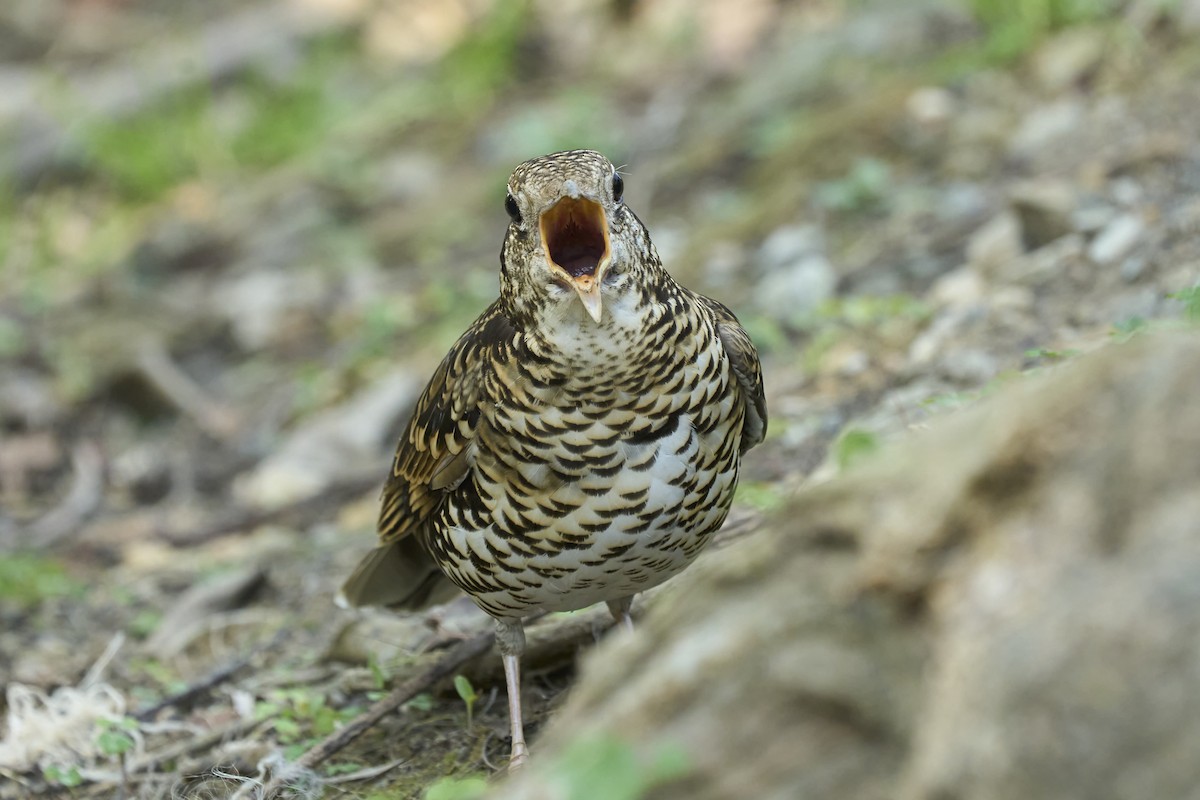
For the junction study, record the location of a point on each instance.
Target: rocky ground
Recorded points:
(236, 237)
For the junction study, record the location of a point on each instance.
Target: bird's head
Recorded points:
(571, 241)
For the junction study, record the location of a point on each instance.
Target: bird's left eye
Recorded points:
(514, 210)
(618, 187)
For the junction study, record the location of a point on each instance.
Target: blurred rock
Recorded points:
(846, 360)
(726, 263)
(789, 244)
(797, 277)
(1134, 268)
(23, 457)
(961, 288)
(1135, 303)
(340, 10)
(934, 340)
(1044, 209)
(27, 399)
(143, 470)
(1091, 217)
(995, 244)
(1046, 263)
(177, 245)
(1126, 191)
(1047, 125)
(961, 202)
(260, 304)
(969, 366)
(332, 444)
(1117, 239)
(930, 108)
(931, 105)
(1068, 58)
(419, 31)
(797, 290)
(1187, 15)
(1011, 299)
(194, 611)
(1016, 619)
(52, 662)
(407, 176)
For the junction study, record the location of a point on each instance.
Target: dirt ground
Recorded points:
(235, 238)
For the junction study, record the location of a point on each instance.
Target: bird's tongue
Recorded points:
(577, 259)
(573, 232)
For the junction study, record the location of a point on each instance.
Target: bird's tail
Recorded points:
(398, 574)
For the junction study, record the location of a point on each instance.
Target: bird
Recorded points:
(581, 441)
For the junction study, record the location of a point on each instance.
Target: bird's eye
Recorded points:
(510, 205)
(618, 187)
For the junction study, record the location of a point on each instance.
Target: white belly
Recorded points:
(612, 544)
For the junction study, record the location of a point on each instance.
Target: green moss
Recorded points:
(852, 446)
(1190, 298)
(483, 62)
(57, 238)
(868, 310)
(604, 767)
(27, 580)
(865, 187)
(146, 154)
(1013, 27)
(286, 121)
(179, 137)
(293, 117)
(1125, 329)
(472, 787)
(760, 495)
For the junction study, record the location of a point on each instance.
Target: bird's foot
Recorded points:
(520, 754)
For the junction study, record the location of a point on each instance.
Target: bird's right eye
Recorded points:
(510, 205)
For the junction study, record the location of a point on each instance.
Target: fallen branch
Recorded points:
(183, 700)
(186, 747)
(211, 416)
(82, 500)
(245, 520)
(447, 665)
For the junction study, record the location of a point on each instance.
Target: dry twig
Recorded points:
(330, 498)
(465, 651)
(82, 500)
(214, 418)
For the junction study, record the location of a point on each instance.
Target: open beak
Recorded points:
(575, 238)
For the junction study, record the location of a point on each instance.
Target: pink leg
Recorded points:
(620, 612)
(510, 639)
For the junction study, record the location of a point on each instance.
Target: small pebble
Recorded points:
(1117, 240)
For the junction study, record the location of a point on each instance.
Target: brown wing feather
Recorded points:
(746, 367)
(431, 458)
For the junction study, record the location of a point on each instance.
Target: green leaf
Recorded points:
(467, 692)
(608, 768)
(1126, 329)
(1191, 302)
(27, 580)
(464, 688)
(114, 737)
(852, 446)
(287, 728)
(62, 776)
(470, 788)
(377, 673)
(422, 702)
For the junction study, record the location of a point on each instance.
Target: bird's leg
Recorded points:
(620, 612)
(510, 639)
